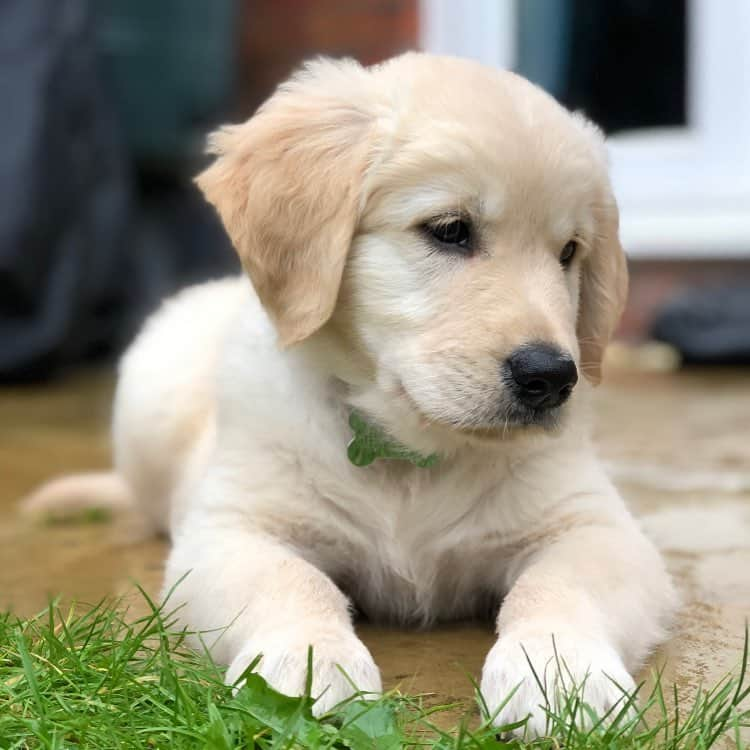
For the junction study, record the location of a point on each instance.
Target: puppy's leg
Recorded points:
(603, 593)
(259, 597)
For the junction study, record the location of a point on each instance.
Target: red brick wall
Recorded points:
(276, 35)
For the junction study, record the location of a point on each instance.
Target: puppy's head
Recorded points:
(449, 227)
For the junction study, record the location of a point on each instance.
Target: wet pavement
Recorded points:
(677, 444)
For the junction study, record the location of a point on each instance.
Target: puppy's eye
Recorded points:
(457, 233)
(568, 253)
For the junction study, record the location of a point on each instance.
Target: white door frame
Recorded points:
(683, 192)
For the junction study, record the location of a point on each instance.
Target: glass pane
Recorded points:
(623, 62)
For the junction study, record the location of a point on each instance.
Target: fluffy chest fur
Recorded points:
(392, 535)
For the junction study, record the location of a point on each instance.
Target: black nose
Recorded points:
(543, 375)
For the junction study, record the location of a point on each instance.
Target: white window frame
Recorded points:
(683, 192)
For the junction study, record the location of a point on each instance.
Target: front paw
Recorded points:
(568, 665)
(341, 664)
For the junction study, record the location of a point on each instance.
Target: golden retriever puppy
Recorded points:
(432, 251)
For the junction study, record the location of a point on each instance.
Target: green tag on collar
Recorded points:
(370, 442)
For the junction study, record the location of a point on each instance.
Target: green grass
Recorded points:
(92, 679)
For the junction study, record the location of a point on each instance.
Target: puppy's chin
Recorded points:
(517, 416)
(513, 423)
(509, 422)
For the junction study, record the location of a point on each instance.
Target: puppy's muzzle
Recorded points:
(541, 376)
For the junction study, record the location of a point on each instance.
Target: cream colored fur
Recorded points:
(234, 442)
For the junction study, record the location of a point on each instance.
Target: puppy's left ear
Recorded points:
(287, 186)
(604, 291)
(604, 274)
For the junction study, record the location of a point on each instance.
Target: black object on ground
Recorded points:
(707, 325)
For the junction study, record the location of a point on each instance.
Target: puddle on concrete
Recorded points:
(678, 445)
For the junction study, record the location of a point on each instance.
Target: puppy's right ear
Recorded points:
(287, 185)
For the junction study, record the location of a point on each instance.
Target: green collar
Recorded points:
(369, 442)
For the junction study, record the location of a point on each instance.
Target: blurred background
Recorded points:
(106, 105)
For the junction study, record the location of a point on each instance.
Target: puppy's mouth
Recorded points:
(508, 419)
(519, 416)
(511, 420)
